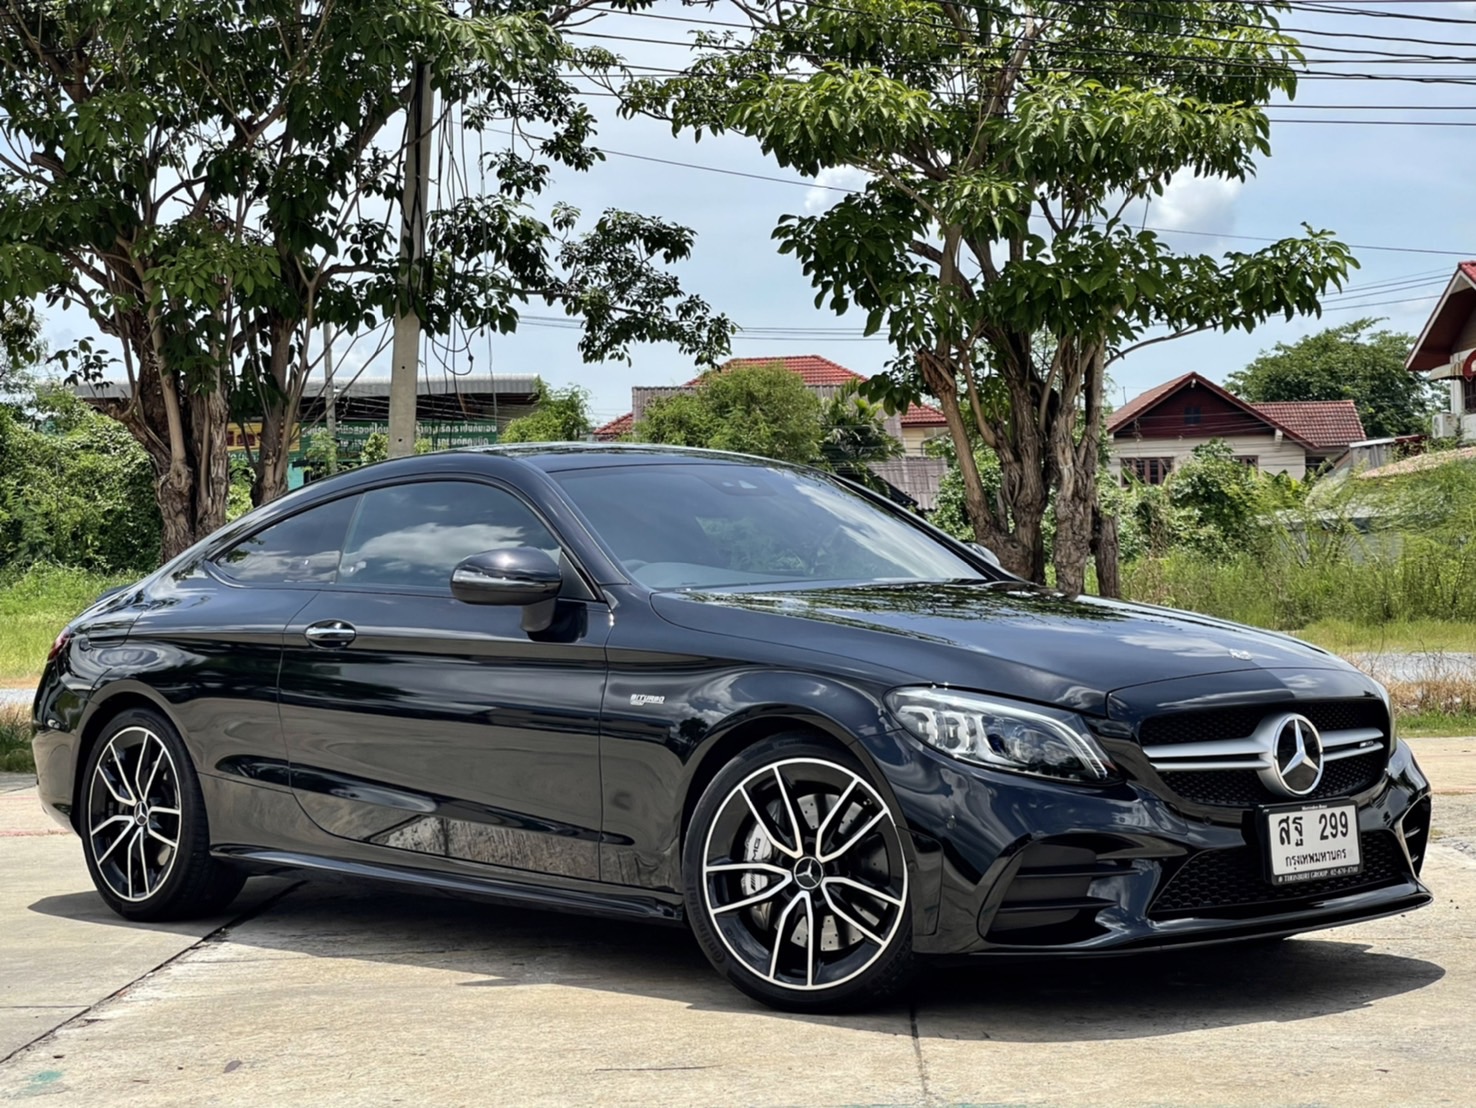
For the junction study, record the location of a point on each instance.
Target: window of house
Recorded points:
(1151, 471)
(1252, 460)
(1468, 395)
(414, 535)
(302, 549)
(1191, 415)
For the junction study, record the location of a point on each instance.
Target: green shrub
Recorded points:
(75, 489)
(15, 740)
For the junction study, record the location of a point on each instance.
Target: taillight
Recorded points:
(60, 644)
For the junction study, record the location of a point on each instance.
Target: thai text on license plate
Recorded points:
(1312, 842)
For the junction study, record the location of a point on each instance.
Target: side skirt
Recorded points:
(615, 905)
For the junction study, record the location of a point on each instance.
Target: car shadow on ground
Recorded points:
(1046, 1000)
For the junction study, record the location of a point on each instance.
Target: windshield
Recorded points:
(702, 525)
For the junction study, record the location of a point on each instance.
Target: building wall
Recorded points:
(1272, 457)
(914, 437)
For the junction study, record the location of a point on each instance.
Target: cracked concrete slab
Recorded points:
(362, 996)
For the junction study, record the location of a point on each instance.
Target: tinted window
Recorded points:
(708, 524)
(301, 549)
(415, 534)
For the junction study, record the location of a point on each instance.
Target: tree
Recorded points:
(20, 341)
(1222, 495)
(758, 409)
(853, 434)
(74, 487)
(562, 415)
(1350, 362)
(212, 182)
(1003, 146)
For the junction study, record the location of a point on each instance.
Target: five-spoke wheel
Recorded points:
(796, 877)
(143, 829)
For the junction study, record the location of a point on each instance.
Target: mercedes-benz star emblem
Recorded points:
(1295, 764)
(807, 873)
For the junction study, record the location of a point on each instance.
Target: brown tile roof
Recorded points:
(1437, 341)
(615, 428)
(1142, 402)
(1322, 423)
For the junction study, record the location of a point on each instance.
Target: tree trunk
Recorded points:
(190, 462)
(279, 404)
(1077, 506)
(1105, 552)
(1015, 535)
(1074, 518)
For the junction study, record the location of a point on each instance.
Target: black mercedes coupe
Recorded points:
(701, 688)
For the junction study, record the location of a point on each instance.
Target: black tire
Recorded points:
(143, 825)
(756, 900)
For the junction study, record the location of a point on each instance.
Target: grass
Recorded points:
(15, 740)
(34, 606)
(1397, 636)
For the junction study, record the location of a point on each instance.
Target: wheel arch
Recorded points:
(855, 724)
(855, 729)
(105, 706)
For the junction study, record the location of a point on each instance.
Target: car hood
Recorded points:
(1004, 637)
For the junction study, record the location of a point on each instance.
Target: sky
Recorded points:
(1396, 187)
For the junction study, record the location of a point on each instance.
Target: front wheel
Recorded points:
(796, 879)
(143, 825)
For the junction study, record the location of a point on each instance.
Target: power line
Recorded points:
(795, 181)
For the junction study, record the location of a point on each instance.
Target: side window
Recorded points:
(415, 534)
(302, 549)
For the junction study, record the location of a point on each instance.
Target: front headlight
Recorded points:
(1001, 734)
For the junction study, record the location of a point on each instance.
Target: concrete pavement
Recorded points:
(326, 995)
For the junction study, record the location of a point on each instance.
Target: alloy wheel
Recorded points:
(133, 814)
(803, 875)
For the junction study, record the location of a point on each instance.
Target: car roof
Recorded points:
(555, 456)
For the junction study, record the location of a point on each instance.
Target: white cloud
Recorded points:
(1192, 203)
(821, 195)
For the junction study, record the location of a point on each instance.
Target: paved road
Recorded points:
(317, 994)
(21, 697)
(1416, 666)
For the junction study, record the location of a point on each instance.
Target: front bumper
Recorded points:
(1021, 866)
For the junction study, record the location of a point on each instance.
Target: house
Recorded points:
(913, 474)
(1446, 351)
(450, 410)
(1157, 431)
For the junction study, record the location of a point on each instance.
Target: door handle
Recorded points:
(330, 632)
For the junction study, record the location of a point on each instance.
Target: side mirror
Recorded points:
(517, 576)
(984, 552)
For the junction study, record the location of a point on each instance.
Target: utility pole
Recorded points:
(332, 399)
(405, 356)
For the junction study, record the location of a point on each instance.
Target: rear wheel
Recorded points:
(796, 879)
(143, 825)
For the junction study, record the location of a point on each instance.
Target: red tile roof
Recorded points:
(815, 371)
(615, 428)
(1322, 423)
(1319, 424)
(923, 415)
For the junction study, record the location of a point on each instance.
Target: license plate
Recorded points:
(1311, 842)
